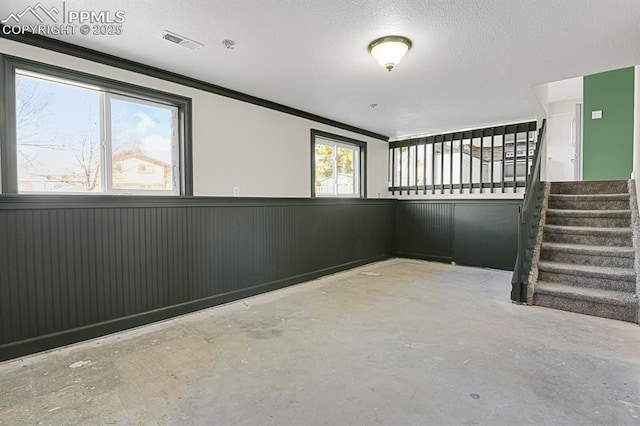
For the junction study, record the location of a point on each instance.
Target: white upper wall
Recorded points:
(265, 153)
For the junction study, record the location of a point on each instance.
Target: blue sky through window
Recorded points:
(140, 126)
(58, 134)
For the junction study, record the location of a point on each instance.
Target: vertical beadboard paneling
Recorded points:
(70, 273)
(424, 230)
(469, 232)
(487, 234)
(77, 268)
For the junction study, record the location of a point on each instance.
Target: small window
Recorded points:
(145, 169)
(337, 166)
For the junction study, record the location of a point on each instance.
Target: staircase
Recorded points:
(587, 258)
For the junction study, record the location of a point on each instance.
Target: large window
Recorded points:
(76, 133)
(337, 166)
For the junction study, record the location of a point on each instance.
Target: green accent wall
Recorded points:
(608, 142)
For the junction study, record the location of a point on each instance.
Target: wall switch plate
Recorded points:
(596, 115)
(236, 191)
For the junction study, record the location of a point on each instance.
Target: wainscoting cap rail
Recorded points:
(52, 201)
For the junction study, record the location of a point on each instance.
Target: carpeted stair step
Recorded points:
(594, 218)
(587, 259)
(602, 303)
(590, 187)
(595, 277)
(589, 202)
(588, 235)
(607, 256)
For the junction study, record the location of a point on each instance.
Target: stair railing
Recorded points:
(527, 223)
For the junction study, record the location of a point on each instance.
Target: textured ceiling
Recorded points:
(472, 62)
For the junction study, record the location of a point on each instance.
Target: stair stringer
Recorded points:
(635, 227)
(535, 254)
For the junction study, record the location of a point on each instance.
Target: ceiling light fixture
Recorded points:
(389, 50)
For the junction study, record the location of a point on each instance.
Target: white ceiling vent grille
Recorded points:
(181, 40)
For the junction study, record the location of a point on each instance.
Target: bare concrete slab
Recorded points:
(395, 342)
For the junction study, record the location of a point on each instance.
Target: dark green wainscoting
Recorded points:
(468, 232)
(74, 268)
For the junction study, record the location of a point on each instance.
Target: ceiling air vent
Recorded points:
(181, 40)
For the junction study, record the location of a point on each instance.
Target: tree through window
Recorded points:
(58, 136)
(337, 166)
(75, 138)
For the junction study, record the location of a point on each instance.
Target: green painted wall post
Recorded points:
(608, 141)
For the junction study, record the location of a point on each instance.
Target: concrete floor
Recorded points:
(396, 342)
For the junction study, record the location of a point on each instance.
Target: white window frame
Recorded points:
(359, 163)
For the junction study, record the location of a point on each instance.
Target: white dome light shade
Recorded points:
(389, 50)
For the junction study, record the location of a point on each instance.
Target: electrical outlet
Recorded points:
(596, 115)
(236, 191)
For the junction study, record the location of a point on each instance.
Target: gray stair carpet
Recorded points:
(587, 258)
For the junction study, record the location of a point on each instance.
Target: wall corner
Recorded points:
(636, 131)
